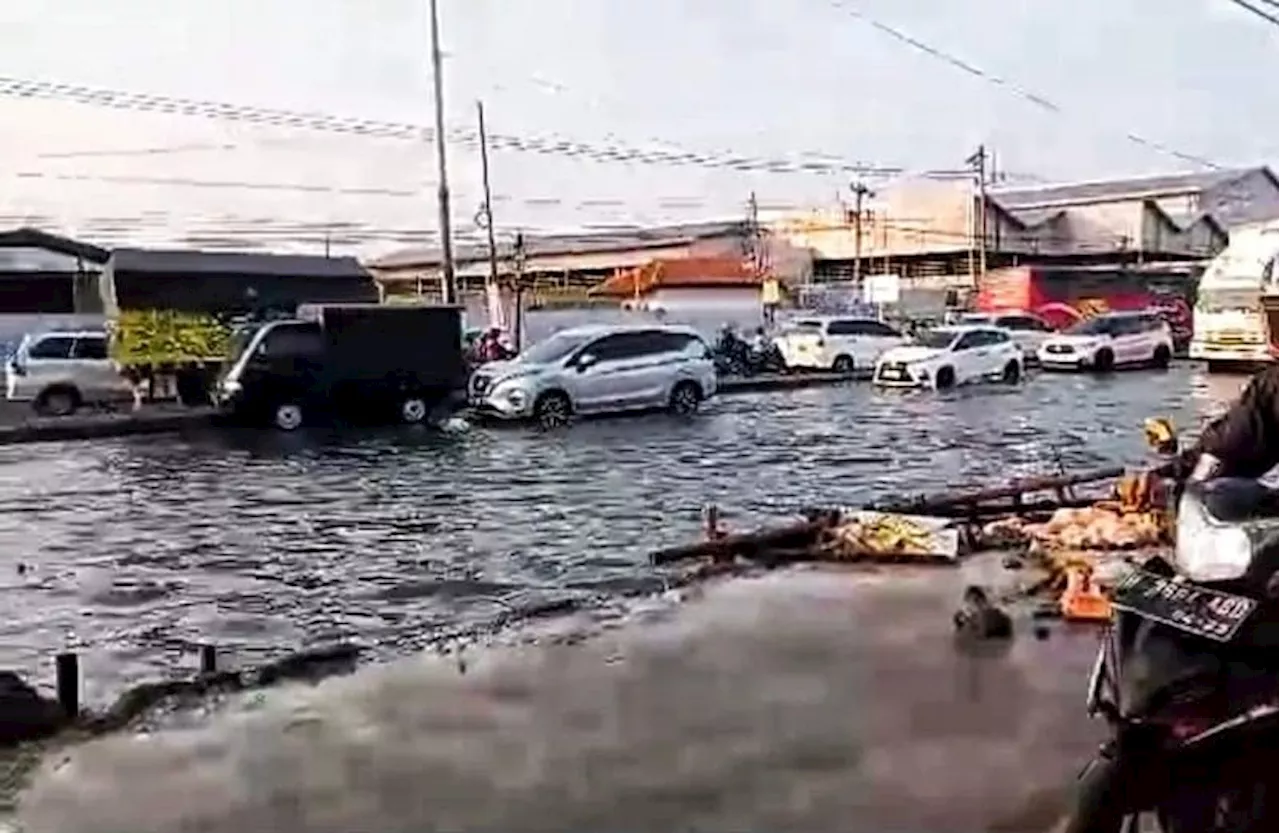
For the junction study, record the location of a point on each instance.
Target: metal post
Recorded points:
(860, 192)
(67, 677)
(518, 256)
(488, 194)
(448, 280)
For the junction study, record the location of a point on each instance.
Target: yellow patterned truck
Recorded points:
(173, 316)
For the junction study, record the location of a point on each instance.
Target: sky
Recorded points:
(773, 82)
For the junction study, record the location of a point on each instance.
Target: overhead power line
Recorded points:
(1262, 13)
(324, 123)
(1025, 94)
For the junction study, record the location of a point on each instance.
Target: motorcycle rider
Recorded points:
(1241, 442)
(759, 342)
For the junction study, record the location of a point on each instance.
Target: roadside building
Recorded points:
(43, 276)
(690, 286)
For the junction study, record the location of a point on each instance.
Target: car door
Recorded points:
(47, 362)
(598, 375)
(966, 358)
(1127, 339)
(842, 340)
(97, 376)
(653, 361)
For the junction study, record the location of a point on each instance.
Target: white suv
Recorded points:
(841, 345)
(1109, 341)
(59, 371)
(598, 370)
(1028, 331)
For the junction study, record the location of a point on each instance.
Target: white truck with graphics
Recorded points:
(1230, 331)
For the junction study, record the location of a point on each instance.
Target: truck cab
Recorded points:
(351, 363)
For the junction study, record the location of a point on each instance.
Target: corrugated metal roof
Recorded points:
(180, 261)
(1116, 189)
(678, 272)
(572, 244)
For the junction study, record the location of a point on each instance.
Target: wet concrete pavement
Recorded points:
(797, 701)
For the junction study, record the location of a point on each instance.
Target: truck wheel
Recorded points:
(552, 410)
(287, 416)
(58, 401)
(413, 410)
(945, 378)
(1104, 360)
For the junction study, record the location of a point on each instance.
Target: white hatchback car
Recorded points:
(838, 344)
(61, 370)
(1108, 341)
(1024, 328)
(598, 370)
(947, 356)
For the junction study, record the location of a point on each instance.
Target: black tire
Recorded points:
(945, 379)
(842, 365)
(1100, 805)
(1104, 361)
(1012, 373)
(413, 410)
(59, 401)
(552, 410)
(686, 398)
(1161, 357)
(287, 416)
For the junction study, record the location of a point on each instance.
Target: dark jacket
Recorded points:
(1244, 438)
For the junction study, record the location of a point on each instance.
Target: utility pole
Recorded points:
(518, 326)
(448, 279)
(487, 208)
(753, 235)
(978, 162)
(860, 192)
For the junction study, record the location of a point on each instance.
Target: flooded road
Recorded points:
(135, 550)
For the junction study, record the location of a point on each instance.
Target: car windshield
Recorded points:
(936, 339)
(1091, 327)
(1229, 300)
(975, 318)
(804, 327)
(553, 349)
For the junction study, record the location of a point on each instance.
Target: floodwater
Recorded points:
(136, 550)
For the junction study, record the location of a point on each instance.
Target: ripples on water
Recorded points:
(139, 548)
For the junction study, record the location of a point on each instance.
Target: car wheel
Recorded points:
(945, 378)
(552, 410)
(1161, 357)
(287, 416)
(413, 410)
(843, 365)
(1104, 360)
(1012, 373)
(685, 400)
(58, 402)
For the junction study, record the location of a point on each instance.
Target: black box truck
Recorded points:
(361, 363)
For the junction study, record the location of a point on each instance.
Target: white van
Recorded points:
(841, 344)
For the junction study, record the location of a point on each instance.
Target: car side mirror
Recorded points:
(584, 361)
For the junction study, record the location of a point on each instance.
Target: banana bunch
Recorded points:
(885, 535)
(141, 337)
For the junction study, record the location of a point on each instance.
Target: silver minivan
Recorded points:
(598, 370)
(61, 370)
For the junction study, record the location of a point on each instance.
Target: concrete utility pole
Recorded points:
(448, 279)
(487, 207)
(860, 192)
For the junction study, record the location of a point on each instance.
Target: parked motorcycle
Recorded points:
(735, 357)
(1186, 676)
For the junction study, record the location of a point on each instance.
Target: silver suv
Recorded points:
(61, 370)
(598, 370)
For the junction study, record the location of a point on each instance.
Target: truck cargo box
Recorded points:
(372, 341)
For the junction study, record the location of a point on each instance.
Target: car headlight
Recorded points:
(1206, 549)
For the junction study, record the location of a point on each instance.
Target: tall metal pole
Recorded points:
(448, 279)
(488, 195)
(860, 192)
